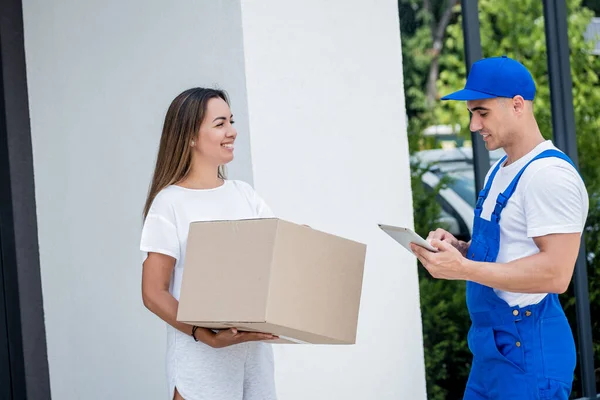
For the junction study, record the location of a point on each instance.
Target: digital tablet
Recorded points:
(405, 237)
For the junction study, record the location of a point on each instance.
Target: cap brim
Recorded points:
(466, 94)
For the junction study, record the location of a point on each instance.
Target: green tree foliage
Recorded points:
(420, 27)
(514, 28)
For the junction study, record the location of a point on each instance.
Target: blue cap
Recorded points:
(496, 77)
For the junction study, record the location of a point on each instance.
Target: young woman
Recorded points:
(188, 185)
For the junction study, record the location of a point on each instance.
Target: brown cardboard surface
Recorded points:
(273, 276)
(226, 275)
(317, 282)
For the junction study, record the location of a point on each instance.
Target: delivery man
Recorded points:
(526, 236)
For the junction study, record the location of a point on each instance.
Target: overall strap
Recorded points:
(484, 192)
(503, 197)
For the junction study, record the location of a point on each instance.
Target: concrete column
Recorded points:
(329, 149)
(316, 88)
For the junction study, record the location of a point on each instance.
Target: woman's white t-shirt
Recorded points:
(239, 372)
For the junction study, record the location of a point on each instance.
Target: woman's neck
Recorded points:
(201, 177)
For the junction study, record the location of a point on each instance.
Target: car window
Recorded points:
(464, 186)
(462, 182)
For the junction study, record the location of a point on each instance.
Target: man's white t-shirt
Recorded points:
(550, 198)
(196, 369)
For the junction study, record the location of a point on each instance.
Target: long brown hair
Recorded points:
(182, 124)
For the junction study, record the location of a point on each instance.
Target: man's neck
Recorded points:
(525, 143)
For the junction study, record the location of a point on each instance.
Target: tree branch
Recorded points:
(444, 21)
(438, 34)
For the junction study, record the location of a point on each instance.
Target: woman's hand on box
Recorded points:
(232, 336)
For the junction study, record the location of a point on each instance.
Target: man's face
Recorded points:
(493, 119)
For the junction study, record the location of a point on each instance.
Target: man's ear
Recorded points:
(518, 104)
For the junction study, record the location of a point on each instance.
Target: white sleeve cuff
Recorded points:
(158, 250)
(548, 230)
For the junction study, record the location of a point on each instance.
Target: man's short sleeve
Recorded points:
(554, 202)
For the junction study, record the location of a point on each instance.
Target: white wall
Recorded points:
(329, 149)
(316, 88)
(101, 75)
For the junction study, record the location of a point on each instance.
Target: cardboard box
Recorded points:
(274, 276)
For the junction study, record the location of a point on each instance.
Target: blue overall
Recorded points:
(518, 353)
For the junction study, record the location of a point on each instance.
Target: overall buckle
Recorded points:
(481, 198)
(502, 200)
(500, 204)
